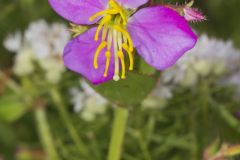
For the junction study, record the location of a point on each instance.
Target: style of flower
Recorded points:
(159, 34)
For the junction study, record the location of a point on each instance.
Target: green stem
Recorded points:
(45, 134)
(10, 83)
(144, 148)
(118, 131)
(67, 121)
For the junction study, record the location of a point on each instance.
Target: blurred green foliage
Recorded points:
(193, 120)
(16, 15)
(183, 129)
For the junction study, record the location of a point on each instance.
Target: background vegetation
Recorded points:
(197, 123)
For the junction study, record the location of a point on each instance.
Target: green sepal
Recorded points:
(129, 92)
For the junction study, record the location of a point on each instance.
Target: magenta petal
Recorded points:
(78, 11)
(79, 55)
(132, 3)
(161, 36)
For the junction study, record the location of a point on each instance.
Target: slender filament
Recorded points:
(115, 40)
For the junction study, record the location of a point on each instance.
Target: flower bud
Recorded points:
(188, 12)
(192, 14)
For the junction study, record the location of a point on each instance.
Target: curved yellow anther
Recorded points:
(124, 18)
(114, 5)
(125, 34)
(121, 57)
(110, 11)
(108, 57)
(104, 21)
(104, 32)
(99, 49)
(130, 55)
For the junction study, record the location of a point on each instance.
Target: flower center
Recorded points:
(113, 26)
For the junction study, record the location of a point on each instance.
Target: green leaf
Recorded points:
(144, 68)
(128, 92)
(11, 108)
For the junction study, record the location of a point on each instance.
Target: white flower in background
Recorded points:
(209, 57)
(13, 42)
(37, 37)
(88, 102)
(54, 69)
(77, 99)
(162, 90)
(45, 42)
(24, 62)
(59, 37)
(159, 96)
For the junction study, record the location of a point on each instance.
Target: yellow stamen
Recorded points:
(108, 53)
(104, 32)
(108, 57)
(99, 49)
(113, 4)
(123, 17)
(104, 21)
(121, 56)
(125, 40)
(110, 11)
(112, 26)
(130, 55)
(125, 34)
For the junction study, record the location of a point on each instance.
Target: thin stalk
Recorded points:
(45, 134)
(144, 148)
(68, 123)
(118, 132)
(10, 83)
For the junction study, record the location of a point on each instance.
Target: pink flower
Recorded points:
(159, 34)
